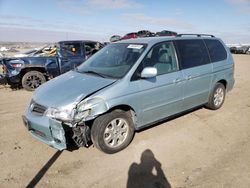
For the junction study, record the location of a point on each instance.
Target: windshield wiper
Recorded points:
(96, 73)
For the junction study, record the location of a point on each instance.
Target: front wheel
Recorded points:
(113, 131)
(217, 97)
(32, 80)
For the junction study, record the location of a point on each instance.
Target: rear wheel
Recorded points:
(32, 80)
(217, 97)
(113, 131)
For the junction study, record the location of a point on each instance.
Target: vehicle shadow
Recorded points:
(147, 174)
(43, 170)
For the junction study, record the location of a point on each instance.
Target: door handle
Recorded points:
(190, 77)
(177, 80)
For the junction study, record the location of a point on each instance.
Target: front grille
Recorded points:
(37, 109)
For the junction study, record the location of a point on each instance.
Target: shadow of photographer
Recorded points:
(147, 174)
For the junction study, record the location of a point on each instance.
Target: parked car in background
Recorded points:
(2, 77)
(129, 36)
(115, 38)
(32, 71)
(127, 86)
(165, 33)
(239, 49)
(26, 54)
(145, 33)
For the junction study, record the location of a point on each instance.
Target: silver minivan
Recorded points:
(127, 86)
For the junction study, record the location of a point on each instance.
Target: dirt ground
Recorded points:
(203, 148)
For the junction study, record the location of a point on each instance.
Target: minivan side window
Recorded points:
(216, 50)
(163, 57)
(192, 53)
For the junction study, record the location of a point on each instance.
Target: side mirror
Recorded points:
(149, 72)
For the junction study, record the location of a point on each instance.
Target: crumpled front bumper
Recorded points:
(46, 130)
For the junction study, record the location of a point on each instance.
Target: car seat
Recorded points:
(163, 64)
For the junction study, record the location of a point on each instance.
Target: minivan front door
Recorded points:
(162, 95)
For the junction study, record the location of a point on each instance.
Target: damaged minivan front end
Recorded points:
(72, 108)
(59, 125)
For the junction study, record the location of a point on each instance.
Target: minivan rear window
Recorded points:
(192, 53)
(216, 50)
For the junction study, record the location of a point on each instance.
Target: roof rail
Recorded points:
(198, 35)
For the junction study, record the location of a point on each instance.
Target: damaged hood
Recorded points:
(69, 88)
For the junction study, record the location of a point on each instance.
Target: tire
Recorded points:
(32, 80)
(107, 136)
(217, 97)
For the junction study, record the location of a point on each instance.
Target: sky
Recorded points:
(54, 20)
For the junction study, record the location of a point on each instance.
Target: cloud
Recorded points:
(14, 18)
(112, 4)
(93, 6)
(29, 22)
(9, 34)
(240, 2)
(142, 19)
(179, 12)
(242, 5)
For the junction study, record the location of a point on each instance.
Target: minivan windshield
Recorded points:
(114, 60)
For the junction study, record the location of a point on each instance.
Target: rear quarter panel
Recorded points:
(224, 70)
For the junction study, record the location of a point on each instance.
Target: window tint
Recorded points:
(216, 50)
(162, 57)
(192, 53)
(71, 49)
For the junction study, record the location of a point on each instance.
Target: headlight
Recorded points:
(60, 114)
(85, 110)
(64, 113)
(89, 108)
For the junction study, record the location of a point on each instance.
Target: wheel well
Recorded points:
(25, 70)
(224, 82)
(126, 108)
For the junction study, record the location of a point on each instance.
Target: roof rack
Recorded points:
(198, 35)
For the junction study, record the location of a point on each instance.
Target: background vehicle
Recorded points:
(145, 33)
(239, 49)
(46, 63)
(2, 70)
(166, 33)
(115, 38)
(129, 36)
(26, 54)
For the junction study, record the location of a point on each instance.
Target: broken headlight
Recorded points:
(63, 114)
(85, 110)
(90, 108)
